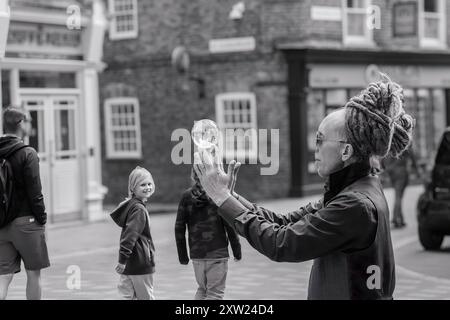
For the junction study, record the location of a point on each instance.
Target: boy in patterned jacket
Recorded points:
(208, 238)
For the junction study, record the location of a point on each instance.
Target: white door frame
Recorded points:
(49, 95)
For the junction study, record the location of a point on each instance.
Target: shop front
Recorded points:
(52, 71)
(329, 79)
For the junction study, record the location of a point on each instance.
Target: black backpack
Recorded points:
(7, 185)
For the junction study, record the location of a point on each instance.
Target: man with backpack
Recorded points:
(22, 210)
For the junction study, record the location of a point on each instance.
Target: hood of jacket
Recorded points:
(119, 214)
(199, 197)
(8, 144)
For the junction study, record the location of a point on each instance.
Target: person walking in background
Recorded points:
(23, 219)
(137, 252)
(208, 241)
(398, 170)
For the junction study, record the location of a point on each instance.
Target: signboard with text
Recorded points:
(31, 40)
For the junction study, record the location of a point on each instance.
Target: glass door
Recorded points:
(54, 138)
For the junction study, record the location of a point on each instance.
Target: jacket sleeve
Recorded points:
(233, 237)
(273, 217)
(33, 187)
(133, 228)
(180, 232)
(348, 222)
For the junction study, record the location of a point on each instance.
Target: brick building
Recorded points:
(263, 64)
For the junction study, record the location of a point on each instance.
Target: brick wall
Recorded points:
(168, 101)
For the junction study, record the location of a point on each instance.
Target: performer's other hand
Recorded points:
(233, 169)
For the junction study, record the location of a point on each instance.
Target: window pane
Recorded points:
(431, 28)
(6, 99)
(355, 3)
(430, 5)
(124, 130)
(356, 24)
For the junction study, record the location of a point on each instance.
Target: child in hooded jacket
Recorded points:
(136, 263)
(209, 236)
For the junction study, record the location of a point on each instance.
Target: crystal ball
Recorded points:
(205, 134)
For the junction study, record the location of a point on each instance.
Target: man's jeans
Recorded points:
(211, 276)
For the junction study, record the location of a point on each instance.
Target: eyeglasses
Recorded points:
(25, 120)
(319, 141)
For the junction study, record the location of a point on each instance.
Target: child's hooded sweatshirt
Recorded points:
(137, 250)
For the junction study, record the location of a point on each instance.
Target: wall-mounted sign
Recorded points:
(405, 19)
(232, 45)
(28, 39)
(326, 13)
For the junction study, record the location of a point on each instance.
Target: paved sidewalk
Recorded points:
(93, 247)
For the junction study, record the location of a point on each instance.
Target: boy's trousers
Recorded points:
(211, 276)
(136, 287)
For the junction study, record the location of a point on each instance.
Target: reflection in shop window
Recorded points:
(123, 133)
(36, 139)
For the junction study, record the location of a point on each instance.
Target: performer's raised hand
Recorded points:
(213, 179)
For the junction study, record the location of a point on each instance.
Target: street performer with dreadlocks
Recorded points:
(347, 234)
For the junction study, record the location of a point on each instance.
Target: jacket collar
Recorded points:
(339, 180)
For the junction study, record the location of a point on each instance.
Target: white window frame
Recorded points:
(434, 43)
(111, 153)
(113, 33)
(349, 40)
(251, 154)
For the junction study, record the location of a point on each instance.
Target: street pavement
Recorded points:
(91, 249)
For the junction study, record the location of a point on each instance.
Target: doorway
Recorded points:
(55, 137)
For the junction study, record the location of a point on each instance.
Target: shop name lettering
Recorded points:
(246, 146)
(42, 37)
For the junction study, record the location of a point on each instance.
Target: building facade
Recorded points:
(51, 57)
(271, 64)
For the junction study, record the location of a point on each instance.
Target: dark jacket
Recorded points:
(27, 198)
(137, 250)
(207, 232)
(349, 238)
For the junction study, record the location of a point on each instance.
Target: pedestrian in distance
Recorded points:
(349, 235)
(209, 236)
(136, 263)
(22, 210)
(398, 170)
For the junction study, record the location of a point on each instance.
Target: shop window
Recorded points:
(427, 106)
(432, 23)
(124, 19)
(122, 128)
(236, 117)
(354, 19)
